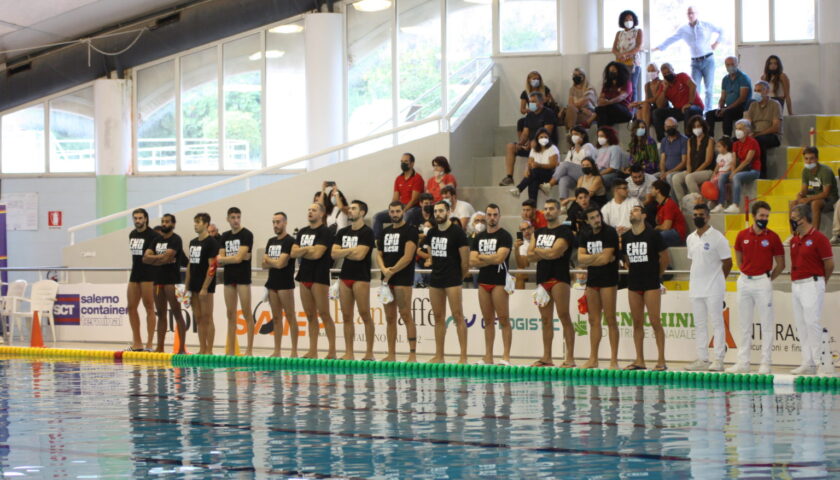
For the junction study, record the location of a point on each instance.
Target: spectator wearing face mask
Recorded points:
(653, 88)
(534, 83)
(747, 162)
(734, 98)
(700, 162)
(681, 92)
(774, 74)
(568, 171)
(628, 44)
(580, 109)
(611, 159)
(642, 148)
(538, 117)
(765, 114)
(441, 178)
(819, 189)
(673, 151)
(460, 209)
(407, 189)
(541, 164)
(616, 93)
(423, 214)
(335, 206)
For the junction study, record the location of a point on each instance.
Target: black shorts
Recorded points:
(280, 285)
(142, 275)
(237, 276)
(649, 284)
(172, 277)
(446, 283)
(195, 286)
(403, 278)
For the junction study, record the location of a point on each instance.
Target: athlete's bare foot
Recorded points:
(369, 357)
(506, 358)
(331, 356)
(412, 358)
(275, 354)
(159, 350)
(567, 365)
(437, 359)
(209, 351)
(310, 354)
(462, 360)
(390, 358)
(487, 360)
(249, 352)
(348, 356)
(590, 364)
(294, 354)
(614, 365)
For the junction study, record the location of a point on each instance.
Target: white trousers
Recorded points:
(755, 296)
(808, 295)
(709, 310)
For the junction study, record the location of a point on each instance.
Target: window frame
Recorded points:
(771, 18)
(496, 19)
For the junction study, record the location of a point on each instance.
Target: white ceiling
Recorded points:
(28, 24)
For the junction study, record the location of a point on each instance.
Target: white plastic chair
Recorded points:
(16, 289)
(41, 300)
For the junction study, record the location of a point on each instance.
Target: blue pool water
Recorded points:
(105, 420)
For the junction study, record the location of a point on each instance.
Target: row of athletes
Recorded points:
(599, 249)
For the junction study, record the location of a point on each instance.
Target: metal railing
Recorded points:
(443, 126)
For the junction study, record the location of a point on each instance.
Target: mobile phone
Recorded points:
(519, 236)
(330, 183)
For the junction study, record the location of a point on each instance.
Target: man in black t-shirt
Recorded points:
(280, 284)
(646, 256)
(551, 248)
(395, 250)
(354, 243)
(235, 255)
(141, 241)
(489, 253)
(450, 255)
(168, 251)
(537, 117)
(201, 281)
(598, 251)
(313, 274)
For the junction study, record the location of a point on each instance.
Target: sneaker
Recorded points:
(546, 189)
(739, 368)
(508, 180)
(698, 366)
(764, 369)
(515, 192)
(804, 370)
(717, 209)
(835, 240)
(827, 369)
(716, 366)
(732, 209)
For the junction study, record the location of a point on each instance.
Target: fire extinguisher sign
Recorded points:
(54, 219)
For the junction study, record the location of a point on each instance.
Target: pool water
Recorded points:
(108, 420)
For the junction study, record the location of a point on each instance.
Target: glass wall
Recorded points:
(469, 38)
(156, 140)
(200, 110)
(419, 56)
(243, 103)
(528, 26)
(72, 147)
(285, 94)
(23, 141)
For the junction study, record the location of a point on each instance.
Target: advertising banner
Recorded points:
(98, 313)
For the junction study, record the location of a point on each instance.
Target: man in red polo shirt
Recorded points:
(531, 214)
(407, 189)
(761, 258)
(811, 266)
(670, 222)
(681, 91)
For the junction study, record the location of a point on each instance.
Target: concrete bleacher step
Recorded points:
(827, 122)
(787, 187)
(479, 197)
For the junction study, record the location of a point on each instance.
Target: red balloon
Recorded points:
(709, 190)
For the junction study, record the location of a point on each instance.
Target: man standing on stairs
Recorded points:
(235, 255)
(450, 256)
(538, 117)
(407, 189)
(354, 243)
(812, 264)
(711, 263)
(761, 258)
(140, 283)
(819, 188)
(313, 274)
(489, 253)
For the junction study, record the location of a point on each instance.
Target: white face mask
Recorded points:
(810, 166)
(640, 132)
(739, 134)
(602, 141)
(652, 76)
(535, 82)
(697, 131)
(543, 141)
(576, 139)
(628, 24)
(479, 227)
(425, 230)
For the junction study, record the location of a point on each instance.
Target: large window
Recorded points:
(419, 56)
(200, 110)
(23, 138)
(468, 40)
(610, 10)
(777, 21)
(72, 147)
(156, 140)
(243, 103)
(285, 94)
(527, 26)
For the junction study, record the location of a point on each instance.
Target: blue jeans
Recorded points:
(740, 178)
(671, 238)
(704, 70)
(723, 179)
(634, 79)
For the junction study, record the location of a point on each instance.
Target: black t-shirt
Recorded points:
(317, 271)
(348, 238)
(594, 243)
(535, 121)
(577, 216)
(201, 251)
(642, 253)
(557, 269)
(170, 273)
(237, 273)
(280, 278)
(486, 243)
(138, 243)
(446, 259)
(392, 244)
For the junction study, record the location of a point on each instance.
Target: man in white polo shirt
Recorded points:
(711, 262)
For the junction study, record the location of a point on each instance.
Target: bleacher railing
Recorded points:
(445, 123)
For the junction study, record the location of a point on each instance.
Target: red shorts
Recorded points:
(307, 284)
(487, 287)
(348, 283)
(548, 285)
